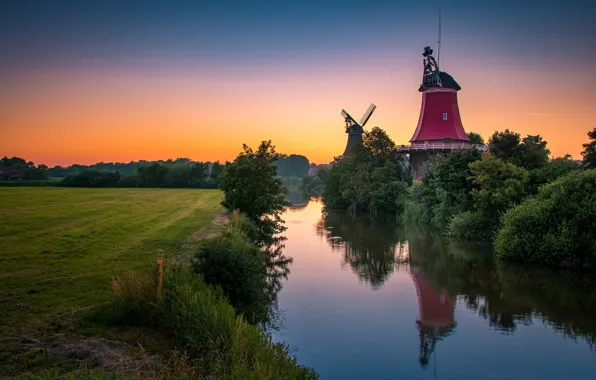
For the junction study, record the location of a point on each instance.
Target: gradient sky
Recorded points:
(88, 81)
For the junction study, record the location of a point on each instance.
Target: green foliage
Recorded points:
(556, 227)
(445, 189)
(533, 152)
(238, 267)
(476, 138)
(472, 226)
(15, 162)
(92, 178)
(311, 186)
(505, 145)
(38, 173)
(216, 169)
(380, 147)
(204, 325)
(498, 185)
(250, 185)
(529, 152)
(181, 175)
(371, 178)
(554, 169)
(127, 168)
(589, 152)
(292, 166)
(19, 169)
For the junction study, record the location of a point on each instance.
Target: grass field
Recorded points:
(59, 248)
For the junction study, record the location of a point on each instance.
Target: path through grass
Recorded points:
(59, 247)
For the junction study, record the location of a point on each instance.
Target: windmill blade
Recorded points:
(347, 117)
(368, 114)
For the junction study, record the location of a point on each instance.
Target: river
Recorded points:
(377, 301)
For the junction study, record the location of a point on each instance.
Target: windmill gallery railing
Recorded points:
(441, 146)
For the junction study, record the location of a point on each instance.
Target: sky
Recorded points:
(89, 81)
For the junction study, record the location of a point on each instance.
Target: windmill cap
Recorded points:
(447, 81)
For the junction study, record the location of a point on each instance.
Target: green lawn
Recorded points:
(60, 247)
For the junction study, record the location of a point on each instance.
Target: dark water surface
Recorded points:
(373, 301)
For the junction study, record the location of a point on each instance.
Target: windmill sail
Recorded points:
(367, 114)
(349, 119)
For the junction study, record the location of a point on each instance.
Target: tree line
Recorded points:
(171, 173)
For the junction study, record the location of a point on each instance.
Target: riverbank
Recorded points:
(79, 298)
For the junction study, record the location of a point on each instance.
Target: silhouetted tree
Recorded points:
(589, 152)
(476, 138)
(293, 166)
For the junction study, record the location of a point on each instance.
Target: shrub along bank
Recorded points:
(211, 311)
(200, 322)
(556, 227)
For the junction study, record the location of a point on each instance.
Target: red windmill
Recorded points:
(439, 127)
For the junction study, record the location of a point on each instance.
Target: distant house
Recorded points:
(11, 174)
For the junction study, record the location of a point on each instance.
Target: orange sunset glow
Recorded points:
(85, 111)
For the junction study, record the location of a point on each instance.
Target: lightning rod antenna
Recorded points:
(439, 39)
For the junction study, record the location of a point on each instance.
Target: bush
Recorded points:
(557, 227)
(230, 261)
(204, 325)
(472, 226)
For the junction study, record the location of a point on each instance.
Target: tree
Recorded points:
(505, 145)
(40, 172)
(476, 138)
(153, 175)
(554, 169)
(530, 152)
(251, 186)
(178, 176)
(293, 166)
(198, 174)
(216, 170)
(589, 152)
(380, 146)
(370, 178)
(533, 152)
(498, 185)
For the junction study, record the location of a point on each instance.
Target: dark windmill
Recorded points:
(354, 129)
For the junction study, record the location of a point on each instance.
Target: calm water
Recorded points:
(365, 301)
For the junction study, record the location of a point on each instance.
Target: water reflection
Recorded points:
(435, 314)
(373, 251)
(505, 295)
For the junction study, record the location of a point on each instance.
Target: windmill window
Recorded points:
(445, 116)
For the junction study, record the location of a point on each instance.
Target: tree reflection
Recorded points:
(507, 294)
(504, 294)
(372, 250)
(278, 269)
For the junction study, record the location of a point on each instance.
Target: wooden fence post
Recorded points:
(160, 271)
